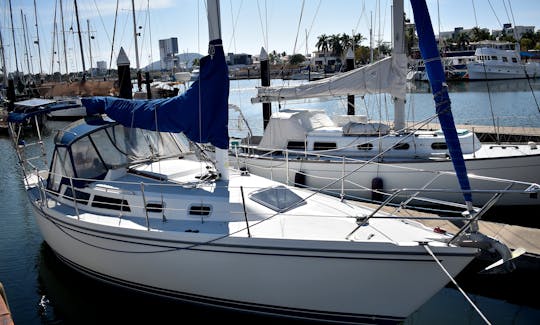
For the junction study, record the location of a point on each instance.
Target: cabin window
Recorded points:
(296, 145)
(87, 162)
(504, 59)
(111, 203)
(154, 207)
(200, 210)
(279, 198)
(401, 146)
(61, 167)
(82, 197)
(514, 60)
(439, 146)
(494, 58)
(324, 145)
(365, 146)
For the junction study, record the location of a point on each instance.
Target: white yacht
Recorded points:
(128, 200)
(492, 63)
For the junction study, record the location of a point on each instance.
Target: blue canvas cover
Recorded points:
(435, 72)
(201, 112)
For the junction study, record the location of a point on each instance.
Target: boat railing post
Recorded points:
(245, 213)
(74, 195)
(342, 194)
(42, 194)
(287, 165)
(145, 210)
(473, 143)
(40, 140)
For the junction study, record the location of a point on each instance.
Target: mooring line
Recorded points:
(455, 283)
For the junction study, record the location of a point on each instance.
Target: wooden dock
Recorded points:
(511, 235)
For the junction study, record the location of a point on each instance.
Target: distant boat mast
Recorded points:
(64, 38)
(80, 40)
(14, 46)
(26, 47)
(37, 40)
(4, 72)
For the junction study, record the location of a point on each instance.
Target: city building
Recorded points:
(101, 67)
(168, 48)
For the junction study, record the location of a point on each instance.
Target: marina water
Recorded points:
(42, 290)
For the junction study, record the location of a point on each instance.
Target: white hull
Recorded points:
(365, 281)
(413, 175)
(495, 63)
(479, 71)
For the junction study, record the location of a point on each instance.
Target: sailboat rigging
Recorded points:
(144, 210)
(349, 156)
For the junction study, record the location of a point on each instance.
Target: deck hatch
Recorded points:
(279, 198)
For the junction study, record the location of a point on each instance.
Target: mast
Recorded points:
(28, 55)
(135, 35)
(399, 49)
(90, 47)
(37, 40)
(435, 71)
(214, 33)
(14, 45)
(54, 37)
(80, 40)
(371, 39)
(4, 71)
(64, 39)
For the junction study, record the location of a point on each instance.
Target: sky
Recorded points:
(247, 26)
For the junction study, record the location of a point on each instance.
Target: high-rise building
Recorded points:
(168, 48)
(101, 66)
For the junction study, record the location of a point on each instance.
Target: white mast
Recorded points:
(399, 49)
(135, 35)
(214, 32)
(37, 40)
(64, 38)
(26, 47)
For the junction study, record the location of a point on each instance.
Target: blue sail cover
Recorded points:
(201, 112)
(435, 72)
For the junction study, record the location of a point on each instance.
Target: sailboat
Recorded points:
(131, 199)
(348, 156)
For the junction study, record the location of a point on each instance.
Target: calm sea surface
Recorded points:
(42, 290)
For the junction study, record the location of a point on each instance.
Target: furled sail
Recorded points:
(201, 112)
(435, 72)
(385, 76)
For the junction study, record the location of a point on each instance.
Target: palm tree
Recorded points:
(322, 43)
(463, 39)
(357, 39)
(335, 45)
(346, 41)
